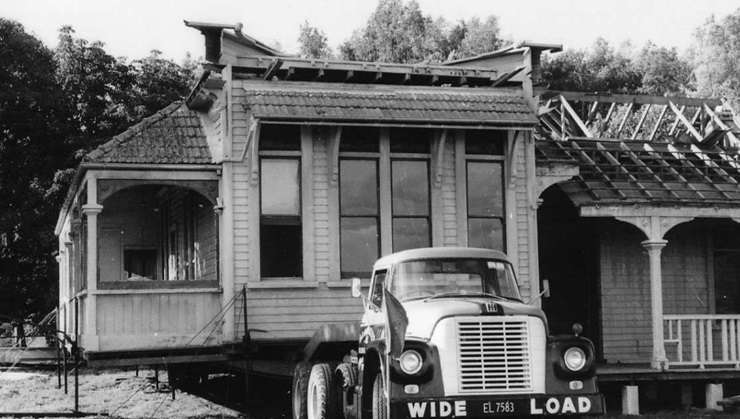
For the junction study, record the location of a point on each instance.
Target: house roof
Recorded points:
(171, 136)
(624, 172)
(468, 106)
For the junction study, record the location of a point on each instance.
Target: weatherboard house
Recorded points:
(225, 228)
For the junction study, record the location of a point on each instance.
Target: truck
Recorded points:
(444, 334)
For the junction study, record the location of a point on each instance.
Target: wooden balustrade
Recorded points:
(702, 340)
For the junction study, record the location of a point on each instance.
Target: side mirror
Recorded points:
(546, 288)
(356, 288)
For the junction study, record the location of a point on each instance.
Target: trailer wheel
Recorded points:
(322, 394)
(380, 406)
(299, 390)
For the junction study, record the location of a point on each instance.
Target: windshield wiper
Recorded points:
(461, 294)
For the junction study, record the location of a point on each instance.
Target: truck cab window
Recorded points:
(376, 295)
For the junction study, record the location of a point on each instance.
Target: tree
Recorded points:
(95, 83)
(663, 71)
(32, 129)
(715, 55)
(313, 42)
(480, 37)
(157, 82)
(55, 106)
(601, 68)
(395, 32)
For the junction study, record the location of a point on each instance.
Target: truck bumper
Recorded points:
(498, 406)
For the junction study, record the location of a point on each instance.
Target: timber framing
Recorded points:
(300, 69)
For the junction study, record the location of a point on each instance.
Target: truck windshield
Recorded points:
(453, 277)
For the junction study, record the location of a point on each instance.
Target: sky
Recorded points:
(132, 28)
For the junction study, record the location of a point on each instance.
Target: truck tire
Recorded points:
(299, 390)
(380, 405)
(321, 402)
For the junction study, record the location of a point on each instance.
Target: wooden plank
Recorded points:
(627, 98)
(698, 171)
(262, 62)
(613, 160)
(673, 171)
(572, 113)
(598, 170)
(687, 124)
(676, 121)
(657, 123)
(637, 160)
(625, 118)
(641, 121)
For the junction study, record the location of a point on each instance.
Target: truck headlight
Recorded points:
(410, 362)
(574, 358)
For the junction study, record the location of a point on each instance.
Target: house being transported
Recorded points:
(224, 229)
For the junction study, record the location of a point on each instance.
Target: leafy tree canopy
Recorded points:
(55, 106)
(715, 55)
(313, 42)
(398, 31)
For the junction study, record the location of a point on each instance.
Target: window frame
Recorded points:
(277, 219)
(359, 156)
(409, 157)
(486, 158)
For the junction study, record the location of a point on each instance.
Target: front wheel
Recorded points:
(380, 404)
(322, 394)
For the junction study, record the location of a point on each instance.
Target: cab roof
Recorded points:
(438, 253)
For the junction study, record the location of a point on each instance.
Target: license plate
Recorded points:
(498, 407)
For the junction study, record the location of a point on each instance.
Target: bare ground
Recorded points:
(115, 393)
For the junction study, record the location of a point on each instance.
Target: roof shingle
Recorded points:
(465, 106)
(171, 136)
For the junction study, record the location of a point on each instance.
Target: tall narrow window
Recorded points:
(359, 216)
(281, 246)
(410, 197)
(359, 209)
(410, 188)
(485, 185)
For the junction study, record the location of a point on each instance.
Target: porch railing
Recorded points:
(702, 340)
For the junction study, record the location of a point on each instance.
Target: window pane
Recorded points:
(410, 183)
(358, 187)
(279, 184)
(359, 139)
(410, 233)
(485, 142)
(410, 140)
(485, 184)
(359, 244)
(280, 137)
(140, 263)
(280, 250)
(486, 232)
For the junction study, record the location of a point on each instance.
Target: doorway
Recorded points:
(569, 262)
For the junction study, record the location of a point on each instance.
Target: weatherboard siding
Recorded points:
(293, 309)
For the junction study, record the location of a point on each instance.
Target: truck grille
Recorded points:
(494, 355)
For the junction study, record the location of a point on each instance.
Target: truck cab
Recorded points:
(445, 333)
